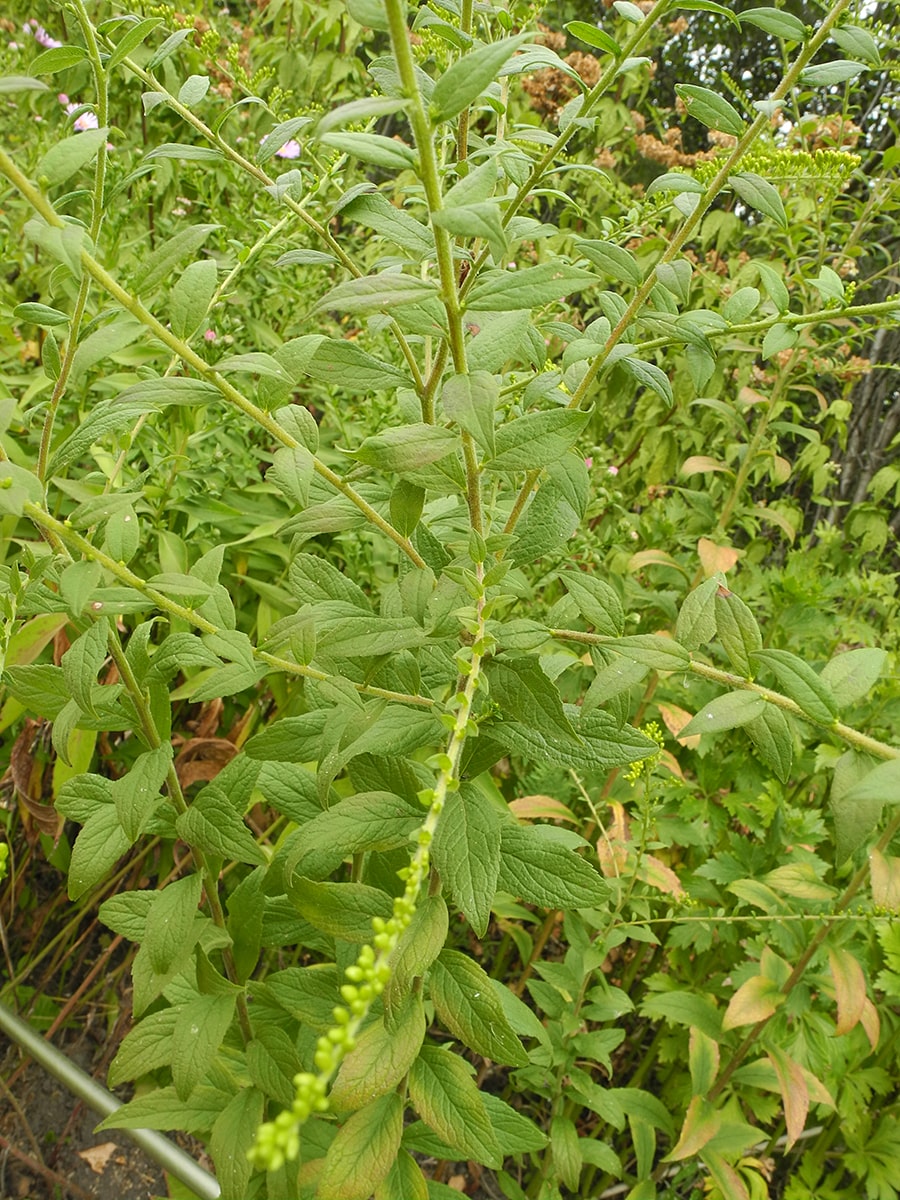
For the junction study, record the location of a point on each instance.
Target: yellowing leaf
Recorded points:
(532, 808)
(703, 1057)
(871, 1023)
(755, 1000)
(675, 719)
(849, 989)
(715, 558)
(794, 1093)
(700, 464)
(701, 1124)
(653, 558)
(658, 875)
(885, 872)
(97, 1157)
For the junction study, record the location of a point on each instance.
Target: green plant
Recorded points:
(433, 640)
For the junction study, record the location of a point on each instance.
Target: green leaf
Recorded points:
(272, 1063)
(467, 1004)
(337, 361)
(472, 402)
(342, 910)
(593, 37)
(676, 181)
(829, 285)
(184, 153)
(212, 825)
(613, 260)
(380, 1059)
(80, 798)
(676, 278)
(597, 602)
(565, 1151)
(374, 149)
(21, 83)
(474, 187)
(759, 194)
(770, 733)
(190, 297)
(161, 1109)
(367, 821)
(292, 471)
(292, 739)
(775, 21)
(653, 650)
(162, 261)
(419, 945)
(169, 920)
(684, 1008)
(475, 221)
(313, 578)
(445, 1096)
(193, 90)
(737, 629)
(82, 662)
(40, 314)
(98, 847)
(137, 794)
(406, 448)
(70, 155)
(376, 293)
(880, 785)
(536, 439)
(855, 818)
(696, 624)
(278, 137)
(800, 683)
(506, 291)
(17, 488)
(741, 305)
(778, 338)
(851, 676)
(137, 34)
(725, 712)
(467, 78)
(524, 691)
(649, 376)
(199, 1031)
(858, 42)
(145, 1048)
(711, 109)
(467, 854)
(58, 59)
(539, 871)
(839, 70)
(376, 212)
(232, 1136)
(363, 1151)
(351, 634)
(404, 1181)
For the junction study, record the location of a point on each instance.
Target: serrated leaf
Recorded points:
(770, 733)
(137, 794)
(466, 1003)
(471, 401)
(530, 287)
(703, 1059)
(525, 692)
(711, 109)
(212, 824)
(542, 872)
(367, 821)
(406, 448)
(199, 1030)
(536, 439)
(98, 847)
(377, 293)
(161, 1109)
(852, 675)
(342, 910)
(597, 602)
(467, 78)
(467, 854)
(737, 630)
(800, 683)
(232, 1136)
(696, 624)
(759, 194)
(363, 1151)
(726, 712)
(419, 945)
(169, 920)
(380, 1059)
(652, 650)
(145, 1048)
(445, 1096)
(82, 662)
(404, 1181)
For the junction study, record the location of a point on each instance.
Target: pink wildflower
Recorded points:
(290, 149)
(210, 335)
(588, 462)
(41, 36)
(612, 469)
(87, 120)
(63, 98)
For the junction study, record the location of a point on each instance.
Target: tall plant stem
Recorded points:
(423, 133)
(683, 234)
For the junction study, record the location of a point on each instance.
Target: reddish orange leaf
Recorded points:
(715, 558)
(794, 1093)
(532, 808)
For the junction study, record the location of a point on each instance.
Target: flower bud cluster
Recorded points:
(278, 1141)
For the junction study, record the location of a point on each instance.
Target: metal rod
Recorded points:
(79, 1083)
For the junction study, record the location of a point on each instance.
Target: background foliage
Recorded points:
(449, 522)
